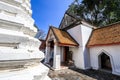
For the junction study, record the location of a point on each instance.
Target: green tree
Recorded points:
(97, 12)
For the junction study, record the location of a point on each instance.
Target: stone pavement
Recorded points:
(78, 74)
(67, 74)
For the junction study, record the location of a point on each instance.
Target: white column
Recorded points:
(47, 53)
(56, 62)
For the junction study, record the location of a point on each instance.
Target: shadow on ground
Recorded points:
(96, 74)
(78, 74)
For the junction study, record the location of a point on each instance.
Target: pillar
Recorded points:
(47, 56)
(57, 61)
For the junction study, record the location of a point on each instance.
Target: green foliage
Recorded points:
(97, 12)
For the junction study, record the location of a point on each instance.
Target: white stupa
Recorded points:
(19, 54)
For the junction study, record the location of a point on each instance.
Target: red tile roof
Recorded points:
(63, 38)
(109, 35)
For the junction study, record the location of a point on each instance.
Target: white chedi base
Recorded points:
(20, 57)
(38, 72)
(19, 50)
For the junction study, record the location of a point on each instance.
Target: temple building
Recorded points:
(19, 50)
(83, 45)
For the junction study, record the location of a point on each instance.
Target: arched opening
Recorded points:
(105, 62)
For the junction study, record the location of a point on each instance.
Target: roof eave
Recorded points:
(66, 44)
(109, 44)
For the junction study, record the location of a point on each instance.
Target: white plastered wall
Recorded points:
(77, 51)
(81, 34)
(112, 51)
(86, 32)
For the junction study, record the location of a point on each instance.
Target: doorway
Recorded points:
(105, 62)
(66, 51)
(65, 56)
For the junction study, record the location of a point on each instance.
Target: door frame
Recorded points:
(66, 50)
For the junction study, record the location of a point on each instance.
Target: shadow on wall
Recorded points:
(87, 58)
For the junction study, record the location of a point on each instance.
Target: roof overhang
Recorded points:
(62, 37)
(69, 45)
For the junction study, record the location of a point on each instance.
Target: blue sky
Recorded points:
(49, 12)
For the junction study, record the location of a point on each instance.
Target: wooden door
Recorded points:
(66, 51)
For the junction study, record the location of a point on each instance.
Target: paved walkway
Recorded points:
(67, 74)
(78, 74)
